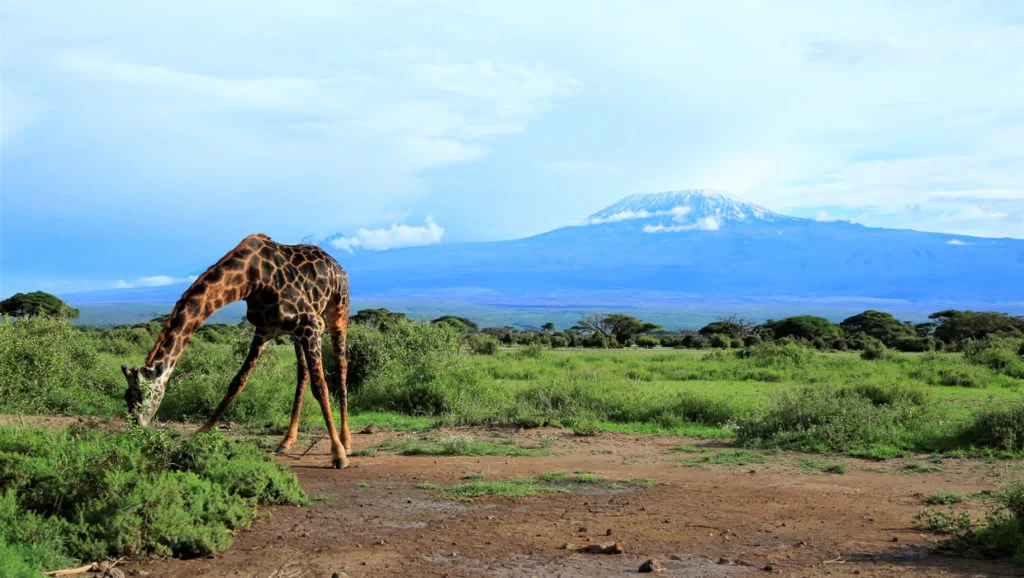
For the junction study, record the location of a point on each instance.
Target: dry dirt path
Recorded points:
(713, 520)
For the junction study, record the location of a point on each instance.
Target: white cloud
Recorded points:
(154, 281)
(824, 217)
(393, 237)
(708, 223)
(261, 92)
(956, 242)
(621, 216)
(677, 213)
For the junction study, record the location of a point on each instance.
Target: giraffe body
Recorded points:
(289, 290)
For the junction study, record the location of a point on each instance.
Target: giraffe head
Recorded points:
(146, 386)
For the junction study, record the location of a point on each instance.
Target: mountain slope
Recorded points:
(695, 244)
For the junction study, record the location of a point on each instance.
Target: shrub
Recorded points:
(828, 419)
(999, 426)
(85, 495)
(482, 344)
(720, 341)
(786, 354)
(416, 368)
(647, 342)
(47, 366)
(1000, 355)
(736, 343)
(872, 349)
(962, 376)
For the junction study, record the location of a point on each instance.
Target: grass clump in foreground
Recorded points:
(76, 495)
(511, 489)
(560, 482)
(999, 533)
(463, 445)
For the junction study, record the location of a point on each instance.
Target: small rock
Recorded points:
(895, 538)
(608, 532)
(752, 472)
(768, 568)
(566, 546)
(370, 429)
(379, 542)
(675, 557)
(651, 565)
(594, 549)
(305, 534)
(582, 529)
(724, 561)
(114, 573)
(339, 575)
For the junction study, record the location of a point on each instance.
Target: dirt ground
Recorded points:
(370, 519)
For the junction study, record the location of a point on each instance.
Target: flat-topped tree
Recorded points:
(37, 303)
(289, 290)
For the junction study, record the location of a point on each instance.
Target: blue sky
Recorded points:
(140, 141)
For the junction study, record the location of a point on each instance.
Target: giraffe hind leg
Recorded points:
(338, 320)
(311, 344)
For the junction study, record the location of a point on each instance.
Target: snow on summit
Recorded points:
(683, 210)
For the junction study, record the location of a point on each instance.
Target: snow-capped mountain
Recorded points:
(684, 209)
(695, 244)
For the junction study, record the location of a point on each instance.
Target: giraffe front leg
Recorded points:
(259, 341)
(300, 392)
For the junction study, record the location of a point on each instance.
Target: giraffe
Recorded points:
(288, 290)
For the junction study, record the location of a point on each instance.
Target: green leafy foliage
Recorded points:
(79, 494)
(36, 304)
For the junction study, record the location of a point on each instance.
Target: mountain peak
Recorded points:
(684, 209)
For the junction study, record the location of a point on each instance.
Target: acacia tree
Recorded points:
(619, 325)
(378, 318)
(37, 303)
(733, 326)
(461, 324)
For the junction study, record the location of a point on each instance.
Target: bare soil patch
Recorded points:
(706, 519)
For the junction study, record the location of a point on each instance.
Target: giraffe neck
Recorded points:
(209, 293)
(212, 290)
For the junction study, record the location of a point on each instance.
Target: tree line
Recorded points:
(945, 330)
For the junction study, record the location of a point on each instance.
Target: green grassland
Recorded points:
(414, 376)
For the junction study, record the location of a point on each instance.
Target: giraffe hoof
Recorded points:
(339, 463)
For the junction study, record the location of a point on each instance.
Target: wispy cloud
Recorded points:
(153, 281)
(704, 224)
(956, 242)
(394, 237)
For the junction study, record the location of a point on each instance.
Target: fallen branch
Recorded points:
(94, 567)
(316, 441)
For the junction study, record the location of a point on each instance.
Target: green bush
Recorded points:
(1001, 355)
(999, 426)
(482, 344)
(79, 494)
(647, 342)
(720, 341)
(784, 354)
(47, 366)
(872, 349)
(821, 418)
(416, 369)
